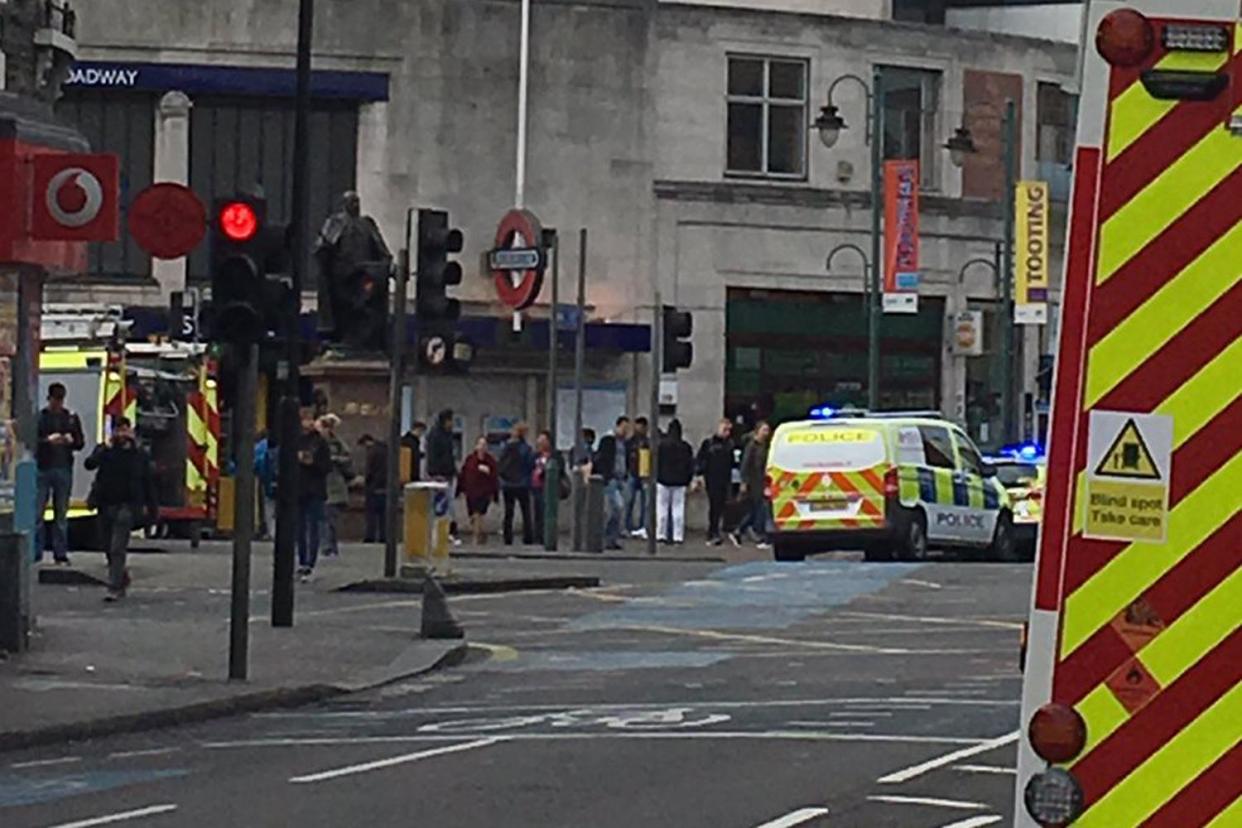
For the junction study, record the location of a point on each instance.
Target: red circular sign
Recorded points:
(167, 220)
(519, 230)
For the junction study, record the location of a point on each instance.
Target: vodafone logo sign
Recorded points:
(74, 197)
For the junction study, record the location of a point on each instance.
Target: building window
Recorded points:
(1055, 121)
(911, 104)
(767, 117)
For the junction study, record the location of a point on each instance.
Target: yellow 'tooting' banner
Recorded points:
(1031, 253)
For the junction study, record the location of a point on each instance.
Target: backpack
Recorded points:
(511, 467)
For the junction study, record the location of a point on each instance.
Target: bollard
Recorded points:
(14, 594)
(594, 537)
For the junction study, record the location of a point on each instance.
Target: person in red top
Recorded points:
(480, 484)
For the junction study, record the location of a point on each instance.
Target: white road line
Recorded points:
(917, 582)
(394, 760)
(932, 619)
(43, 763)
(130, 754)
(997, 769)
(976, 822)
(798, 817)
(931, 801)
(906, 774)
(125, 816)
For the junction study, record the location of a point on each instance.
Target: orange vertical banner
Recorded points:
(901, 236)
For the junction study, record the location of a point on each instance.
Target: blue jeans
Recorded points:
(308, 537)
(635, 495)
(54, 484)
(756, 520)
(614, 505)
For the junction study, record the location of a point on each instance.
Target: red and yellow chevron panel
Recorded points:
(1150, 648)
(810, 501)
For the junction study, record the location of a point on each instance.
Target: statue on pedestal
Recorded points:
(354, 267)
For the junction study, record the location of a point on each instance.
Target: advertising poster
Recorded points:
(901, 236)
(1031, 255)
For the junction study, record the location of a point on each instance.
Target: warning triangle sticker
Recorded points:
(1129, 457)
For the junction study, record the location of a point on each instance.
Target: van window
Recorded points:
(971, 461)
(829, 447)
(938, 447)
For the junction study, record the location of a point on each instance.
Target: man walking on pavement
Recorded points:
(441, 463)
(341, 473)
(516, 465)
(676, 472)
(315, 460)
(715, 469)
(754, 474)
(610, 463)
(375, 486)
(634, 497)
(124, 493)
(60, 435)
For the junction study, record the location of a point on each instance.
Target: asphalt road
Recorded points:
(832, 693)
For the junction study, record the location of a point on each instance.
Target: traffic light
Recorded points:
(246, 305)
(437, 312)
(677, 351)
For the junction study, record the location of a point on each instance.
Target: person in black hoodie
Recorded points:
(715, 470)
(315, 460)
(676, 464)
(124, 493)
(441, 462)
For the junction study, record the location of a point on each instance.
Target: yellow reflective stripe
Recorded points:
(1163, 201)
(1171, 768)
(71, 360)
(1103, 715)
(1231, 817)
(1164, 315)
(944, 486)
(1135, 111)
(1140, 565)
(1196, 633)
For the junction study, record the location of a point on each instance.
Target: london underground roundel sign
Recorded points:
(517, 261)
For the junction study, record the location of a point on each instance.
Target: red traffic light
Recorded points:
(238, 221)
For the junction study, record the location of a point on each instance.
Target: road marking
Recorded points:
(798, 817)
(927, 800)
(129, 754)
(906, 774)
(716, 635)
(497, 652)
(932, 619)
(43, 763)
(124, 816)
(976, 822)
(917, 582)
(366, 767)
(997, 769)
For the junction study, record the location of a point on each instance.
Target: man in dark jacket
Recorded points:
(60, 435)
(124, 493)
(315, 459)
(754, 474)
(676, 471)
(442, 462)
(611, 464)
(516, 467)
(375, 487)
(715, 470)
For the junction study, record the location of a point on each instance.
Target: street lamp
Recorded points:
(829, 125)
(866, 263)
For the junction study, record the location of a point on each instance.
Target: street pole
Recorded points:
(1007, 339)
(657, 365)
(243, 510)
(288, 518)
(877, 259)
(396, 377)
(553, 471)
(519, 198)
(576, 481)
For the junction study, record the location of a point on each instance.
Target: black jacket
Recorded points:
(715, 462)
(376, 472)
(605, 460)
(123, 477)
(676, 461)
(440, 462)
(313, 475)
(58, 422)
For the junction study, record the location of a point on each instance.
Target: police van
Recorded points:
(892, 485)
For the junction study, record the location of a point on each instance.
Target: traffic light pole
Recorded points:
(552, 474)
(657, 363)
(392, 483)
(576, 481)
(287, 517)
(243, 509)
(875, 310)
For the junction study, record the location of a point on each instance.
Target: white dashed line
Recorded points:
(930, 801)
(976, 822)
(906, 774)
(125, 816)
(798, 817)
(392, 761)
(44, 763)
(997, 769)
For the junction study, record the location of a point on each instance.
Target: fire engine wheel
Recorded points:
(913, 543)
(1004, 547)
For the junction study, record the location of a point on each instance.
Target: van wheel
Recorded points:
(1003, 546)
(786, 552)
(913, 546)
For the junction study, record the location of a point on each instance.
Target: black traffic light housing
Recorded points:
(247, 306)
(677, 351)
(436, 273)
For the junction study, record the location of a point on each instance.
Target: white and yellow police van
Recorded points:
(890, 485)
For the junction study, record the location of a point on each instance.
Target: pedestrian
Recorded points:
(635, 495)
(412, 441)
(442, 462)
(539, 479)
(753, 488)
(315, 462)
(124, 493)
(60, 435)
(584, 452)
(516, 467)
(265, 473)
(611, 463)
(714, 465)
(375, 488)
(676, 471)
(479, 483)
(339, 477)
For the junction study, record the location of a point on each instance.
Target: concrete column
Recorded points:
(172, 163)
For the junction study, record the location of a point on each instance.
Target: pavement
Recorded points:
(748, 694)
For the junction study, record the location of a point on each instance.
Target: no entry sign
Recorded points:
(517, 262)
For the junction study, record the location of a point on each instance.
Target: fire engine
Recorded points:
(168, 390)
(1132, 695)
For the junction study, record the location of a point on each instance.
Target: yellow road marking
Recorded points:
(1140, 565)
(1171, 768)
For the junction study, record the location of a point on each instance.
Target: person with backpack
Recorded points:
(479, 482)
(124, 493)
(676, 466)
(516, 467)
